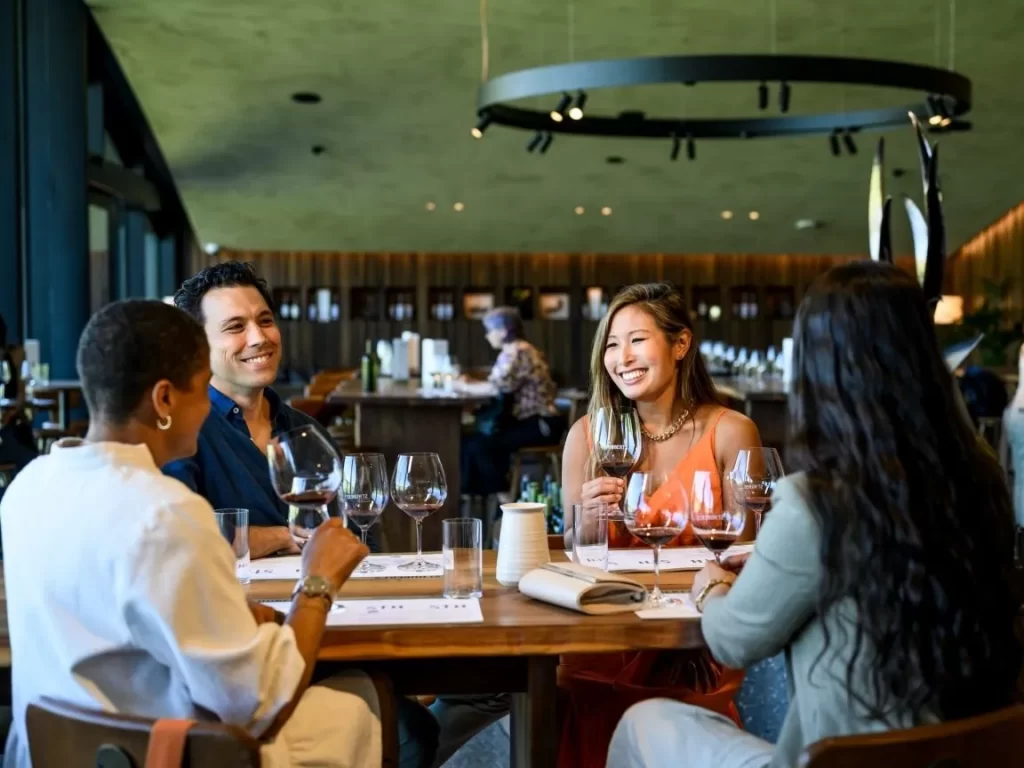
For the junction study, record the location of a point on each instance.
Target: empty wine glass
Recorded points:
(655, 510)
(306, 473)
(364, 494)
(419, 488)
(752, 480)
(716, 525)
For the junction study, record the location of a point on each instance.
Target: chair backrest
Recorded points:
(987, 741)
(63, 735)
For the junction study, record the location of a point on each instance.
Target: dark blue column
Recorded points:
(167, 259)
(55, 195)
(10, 188)
(134, 254)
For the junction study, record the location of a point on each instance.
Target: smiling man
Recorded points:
(230, 468)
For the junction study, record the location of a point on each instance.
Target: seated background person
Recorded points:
(885, 568)
(121, 591)
(230, 467)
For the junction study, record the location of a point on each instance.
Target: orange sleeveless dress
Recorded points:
(599, 688)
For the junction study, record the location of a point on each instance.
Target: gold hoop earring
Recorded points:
(164, 425)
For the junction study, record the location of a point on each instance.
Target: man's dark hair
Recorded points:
(129, 346)
(226, 274)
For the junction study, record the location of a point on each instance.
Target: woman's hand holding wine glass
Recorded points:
(306, 473)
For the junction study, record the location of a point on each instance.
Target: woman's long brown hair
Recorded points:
(667, 306)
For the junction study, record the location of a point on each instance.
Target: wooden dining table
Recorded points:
(514, 650)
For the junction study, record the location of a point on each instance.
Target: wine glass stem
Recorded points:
(419, 541)
(362, 535)
(657, 571)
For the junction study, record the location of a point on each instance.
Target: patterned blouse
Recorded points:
(522, 371)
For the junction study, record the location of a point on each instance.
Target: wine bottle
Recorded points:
(369, 368)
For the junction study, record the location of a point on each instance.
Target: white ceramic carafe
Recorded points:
(524, 541)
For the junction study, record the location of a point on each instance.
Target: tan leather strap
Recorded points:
(167, 743)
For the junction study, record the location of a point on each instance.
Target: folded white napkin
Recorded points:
(584, 589)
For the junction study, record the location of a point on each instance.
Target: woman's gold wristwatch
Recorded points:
(699, 602)
(316, 586)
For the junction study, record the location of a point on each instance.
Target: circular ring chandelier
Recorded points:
(947, 96)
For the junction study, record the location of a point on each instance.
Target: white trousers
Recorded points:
(335, 725)
(660, 733)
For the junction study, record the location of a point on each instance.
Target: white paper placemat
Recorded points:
(673, 559)
(404, 612)
(678, 605)
(289, 568)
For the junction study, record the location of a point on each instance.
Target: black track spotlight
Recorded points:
(576, 112)
(848, 141)
(784, 93)
(762, 96)
(538, 137)
(558, 113)
(548, 138)
(936, 109)
(691, 147)
(833, 141)
(676, 144)
(478, 130)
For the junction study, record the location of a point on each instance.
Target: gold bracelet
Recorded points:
(699, 602)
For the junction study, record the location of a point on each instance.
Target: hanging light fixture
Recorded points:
(478, 130)
(576, 112)
(558, 113)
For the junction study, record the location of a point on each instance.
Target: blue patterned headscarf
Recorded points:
(505, 319)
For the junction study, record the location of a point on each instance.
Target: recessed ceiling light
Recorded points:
(458, 207)
(211, 248)
(579, 210)
(726, 215)
(754, 215)
(606, 211)
(615, 160)
(431, 205)
(306, 97)
(318, 149)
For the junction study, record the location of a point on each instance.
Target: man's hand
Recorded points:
(266, 540)
(264, 614)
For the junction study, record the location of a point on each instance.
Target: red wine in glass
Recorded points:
(419, 488)
(617, 467)
(656, 537)
(364, 494)
(717, 541)
(420, 512)
(309, 498)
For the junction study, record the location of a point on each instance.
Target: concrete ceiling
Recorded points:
(399, 80)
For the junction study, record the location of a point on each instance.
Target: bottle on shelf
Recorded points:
(368, 368)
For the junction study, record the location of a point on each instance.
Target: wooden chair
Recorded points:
(62, 735)
(987, 741)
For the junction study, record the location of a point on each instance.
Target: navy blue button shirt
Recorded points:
(229, 470)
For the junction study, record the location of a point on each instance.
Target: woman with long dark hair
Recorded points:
(884, 569)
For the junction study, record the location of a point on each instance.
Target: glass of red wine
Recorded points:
(716, 525)
(306, 473)
(617, 446)
(656, 510)
(419, 488)
(364, 494)
(752, 480)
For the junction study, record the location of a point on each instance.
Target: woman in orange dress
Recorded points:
(645, 355)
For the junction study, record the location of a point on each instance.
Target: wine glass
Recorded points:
(716, 525)
(306, 473)
(617, 441)
(419, 488)
(656, 510)
(364, 494)
(752, 480)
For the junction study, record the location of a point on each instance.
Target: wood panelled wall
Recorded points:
(997, 254)
(311, 346)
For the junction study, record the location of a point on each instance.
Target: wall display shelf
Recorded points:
(477, 302)
(400, 305)
(366, 304)
(780, 302)
(555, 304)
(323, 304)
(707, 302)
(745, 303)
(520, 297)
(441, 304)
(595, 303)
(288, 303)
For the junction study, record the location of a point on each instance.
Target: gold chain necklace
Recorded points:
(674, 427)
